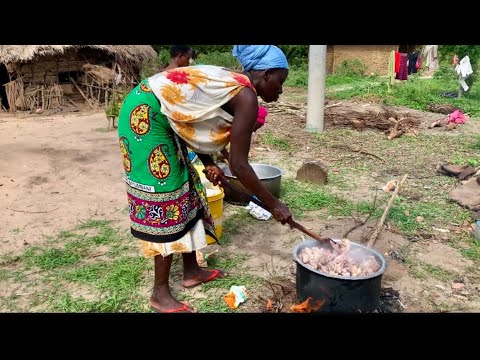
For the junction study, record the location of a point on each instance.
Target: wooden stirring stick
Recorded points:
(292, 223)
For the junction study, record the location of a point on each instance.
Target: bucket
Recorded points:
(215, 203)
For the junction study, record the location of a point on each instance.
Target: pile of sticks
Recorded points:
(357, 116)
(15, 94)
(98, 81)
(43, 97)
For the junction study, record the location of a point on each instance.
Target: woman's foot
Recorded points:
(201, 277)
(171, 306)
(162, 301)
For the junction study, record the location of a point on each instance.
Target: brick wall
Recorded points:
(375, 57)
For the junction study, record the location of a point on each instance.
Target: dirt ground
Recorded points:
(58, 170)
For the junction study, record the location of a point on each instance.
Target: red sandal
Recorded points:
(214, 275)
(180, 309)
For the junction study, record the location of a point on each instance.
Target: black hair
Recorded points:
(176, 50)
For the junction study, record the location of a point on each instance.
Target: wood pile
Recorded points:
(442, 108)
(357, 116)
(43, 97)
(15, 97)
(98, 82)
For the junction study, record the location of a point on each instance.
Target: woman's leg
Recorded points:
(162, 299)
(194, 275)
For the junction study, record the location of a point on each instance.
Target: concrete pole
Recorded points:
(317, 67)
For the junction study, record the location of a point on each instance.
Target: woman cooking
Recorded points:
(205, 108)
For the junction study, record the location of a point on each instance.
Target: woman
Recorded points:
(205, 108)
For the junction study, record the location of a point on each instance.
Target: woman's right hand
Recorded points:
(281, 213)
(213, 173)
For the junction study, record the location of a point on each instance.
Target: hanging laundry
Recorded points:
(464, 70)
(412, 62)
(397, 62)
(391, 69)
(403, 70)
(430, 52)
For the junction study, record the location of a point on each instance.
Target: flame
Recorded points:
(307, 306)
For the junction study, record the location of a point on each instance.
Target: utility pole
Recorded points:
(317, 67)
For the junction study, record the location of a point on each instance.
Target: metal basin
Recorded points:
(341, 294)
(269, 175)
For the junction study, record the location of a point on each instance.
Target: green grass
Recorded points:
(64, 263)
(215, 290)
(298, 77)
(9, 258)
(476, 143)
(437, 214)
(279, 143)
(437, 272)
(107, 235)
(121, 275)
(415, 93)
(301, 197)
(71, 281)
(234, 225)
(4, 274)
(213, 304)
(93, 224)
(50, 258)
(473, 251)
(109, 304)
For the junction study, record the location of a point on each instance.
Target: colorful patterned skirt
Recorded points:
(165, 195)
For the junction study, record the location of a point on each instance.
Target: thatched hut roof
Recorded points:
(22, 53)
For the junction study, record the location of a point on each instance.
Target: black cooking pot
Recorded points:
(341, 294)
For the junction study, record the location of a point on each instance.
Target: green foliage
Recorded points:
(297, 55)
(151, 67)
(445, 72)
(200, 49)
(352, 68)
(297, 75)
(473, 52)
(114, 105)
(225, 59)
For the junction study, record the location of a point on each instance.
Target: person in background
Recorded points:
(180, 56)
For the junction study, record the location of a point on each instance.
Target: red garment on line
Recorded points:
(397, 61)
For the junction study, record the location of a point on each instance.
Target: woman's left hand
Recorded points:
(213, 174)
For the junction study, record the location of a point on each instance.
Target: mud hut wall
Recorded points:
(45, 69)
(375, 57)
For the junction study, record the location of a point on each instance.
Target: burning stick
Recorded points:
(305, 306)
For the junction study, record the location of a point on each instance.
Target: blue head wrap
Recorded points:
(260, 57)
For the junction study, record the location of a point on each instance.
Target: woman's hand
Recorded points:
(213, 174)
(280, 212)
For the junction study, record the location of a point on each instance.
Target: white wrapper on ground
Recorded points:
(240, 293)
(258, 212)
